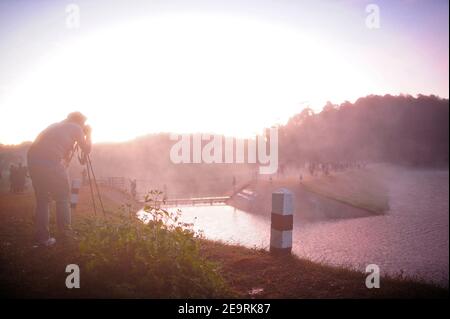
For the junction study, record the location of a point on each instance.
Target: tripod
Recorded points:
(85, 159)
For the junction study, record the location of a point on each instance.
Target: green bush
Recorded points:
(154, 256)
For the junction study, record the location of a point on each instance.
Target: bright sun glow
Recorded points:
(183, 73)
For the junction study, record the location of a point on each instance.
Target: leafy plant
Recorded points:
(155, 255)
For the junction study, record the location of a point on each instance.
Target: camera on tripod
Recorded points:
(87, 130)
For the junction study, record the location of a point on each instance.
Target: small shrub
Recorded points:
(155, 256)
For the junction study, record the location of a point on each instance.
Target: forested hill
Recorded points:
(398, 129)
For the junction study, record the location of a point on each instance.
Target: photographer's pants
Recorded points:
(50, 181)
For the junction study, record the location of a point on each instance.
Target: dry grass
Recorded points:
(291, 277)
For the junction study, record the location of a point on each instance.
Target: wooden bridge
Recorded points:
(114, 182)
(123, 184)
(195, 201)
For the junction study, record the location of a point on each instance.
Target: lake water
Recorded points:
(412, 238)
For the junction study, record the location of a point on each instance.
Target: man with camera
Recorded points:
(48, 158)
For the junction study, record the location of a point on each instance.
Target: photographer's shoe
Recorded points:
(48, 242)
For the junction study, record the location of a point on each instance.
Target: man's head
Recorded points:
(76, 117)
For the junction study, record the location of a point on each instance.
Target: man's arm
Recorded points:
(84, 140)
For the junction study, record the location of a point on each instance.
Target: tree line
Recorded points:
(400, 129)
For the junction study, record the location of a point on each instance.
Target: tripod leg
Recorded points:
(92, 190)
(95, 183)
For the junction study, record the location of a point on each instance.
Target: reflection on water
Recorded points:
(411, 239)
(228, 224)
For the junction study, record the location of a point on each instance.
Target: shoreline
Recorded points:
(249, 273)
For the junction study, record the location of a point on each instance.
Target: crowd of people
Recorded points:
(17, 178)
(316, 168)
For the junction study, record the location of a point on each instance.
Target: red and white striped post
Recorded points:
(76, 184)
(282, 221)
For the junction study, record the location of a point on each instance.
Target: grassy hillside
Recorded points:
(219, 270)
(362, 188)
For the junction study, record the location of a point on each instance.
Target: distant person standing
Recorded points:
(48, 173)
(84, 177)
(12, 178)
(233, 183)
(22, 173)
(165, 193)
(311, 168)
(133, 188)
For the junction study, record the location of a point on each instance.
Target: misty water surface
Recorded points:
(411, 239)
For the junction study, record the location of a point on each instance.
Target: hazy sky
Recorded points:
(232, 67)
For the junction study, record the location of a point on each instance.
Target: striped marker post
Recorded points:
(76, 184)
(282, 221)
